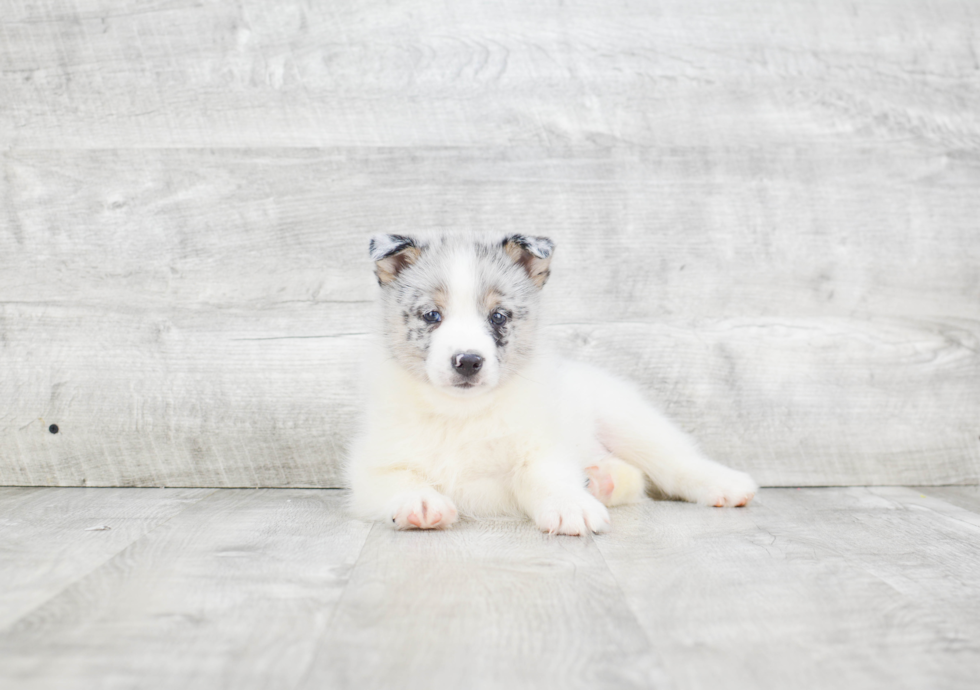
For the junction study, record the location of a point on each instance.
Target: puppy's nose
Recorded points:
(466, 363)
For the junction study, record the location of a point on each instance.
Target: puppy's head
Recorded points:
(460, 312)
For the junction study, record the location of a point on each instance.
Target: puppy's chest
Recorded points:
(475, 456)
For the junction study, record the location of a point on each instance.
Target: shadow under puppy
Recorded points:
(468, 412)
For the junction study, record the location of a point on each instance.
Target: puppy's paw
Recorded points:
(425, 509)
(572, 514)
(600, 483)
(613, 482)
(726, 488)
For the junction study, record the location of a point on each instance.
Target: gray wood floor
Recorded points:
(277, 588)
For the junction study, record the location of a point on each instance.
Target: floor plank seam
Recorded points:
(622, 593)
(308, 672)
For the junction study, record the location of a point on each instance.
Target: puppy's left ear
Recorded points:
(533, 254)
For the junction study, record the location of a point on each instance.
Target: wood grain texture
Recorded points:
(277, 410)
(807, 588)
(967, 497)
(280, 590)
(765, 213)
(214, 350)
(51, 538)
(858, 229)
(494, 604)
(231, 593)
(675, 72)
(192, 397)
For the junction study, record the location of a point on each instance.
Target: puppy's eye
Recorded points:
(498, 319)
(432, 317)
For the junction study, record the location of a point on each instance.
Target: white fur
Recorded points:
(462, 331)
(522, 448)
(522, 444)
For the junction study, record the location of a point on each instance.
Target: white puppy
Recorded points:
(469, 413)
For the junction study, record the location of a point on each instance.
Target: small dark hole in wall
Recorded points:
(53, 428)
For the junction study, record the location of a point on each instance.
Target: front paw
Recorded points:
(572, 515)
(726, 488)
(425, 509)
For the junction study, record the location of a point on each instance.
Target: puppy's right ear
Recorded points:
(392, 254)
(533, 254)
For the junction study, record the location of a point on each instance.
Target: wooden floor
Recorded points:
(277, 588)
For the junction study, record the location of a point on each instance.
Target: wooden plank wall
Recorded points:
(768, 213)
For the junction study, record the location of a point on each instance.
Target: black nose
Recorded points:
(467, 364)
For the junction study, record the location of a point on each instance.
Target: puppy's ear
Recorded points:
(533, 254)
(392, 254)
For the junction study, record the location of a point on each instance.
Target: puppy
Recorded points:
(468, 413)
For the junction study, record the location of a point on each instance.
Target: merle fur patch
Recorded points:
(533, 254)
(392, 254)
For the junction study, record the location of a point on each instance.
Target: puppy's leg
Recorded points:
(632, 429)
(614, 482)
(399, 498)
(549, 489)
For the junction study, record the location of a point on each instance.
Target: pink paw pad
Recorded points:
(424, 515)
(736, 501)
(430, 518)
(601, 483)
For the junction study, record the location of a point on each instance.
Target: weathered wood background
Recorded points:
(769, 213)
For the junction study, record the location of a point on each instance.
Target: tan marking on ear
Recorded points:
(388, 268)
(537, 269)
